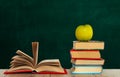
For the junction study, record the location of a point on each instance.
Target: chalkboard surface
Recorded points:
(52, 23)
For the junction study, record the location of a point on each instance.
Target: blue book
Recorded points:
(86, 69)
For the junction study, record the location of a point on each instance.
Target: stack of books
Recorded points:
(86, 57)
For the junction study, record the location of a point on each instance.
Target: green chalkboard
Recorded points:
(52, 23)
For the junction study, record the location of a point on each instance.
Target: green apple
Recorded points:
(84, 32)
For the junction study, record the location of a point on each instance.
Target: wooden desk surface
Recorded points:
(105, 73)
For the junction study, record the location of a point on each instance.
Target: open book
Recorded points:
(23, 63)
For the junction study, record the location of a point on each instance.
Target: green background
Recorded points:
(53, 22)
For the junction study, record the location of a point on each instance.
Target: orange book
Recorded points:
(23, 63)
(85, 54)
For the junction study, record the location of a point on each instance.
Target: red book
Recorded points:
(23, 63)
(85, 54)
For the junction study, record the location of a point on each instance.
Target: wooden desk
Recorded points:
(106, 73)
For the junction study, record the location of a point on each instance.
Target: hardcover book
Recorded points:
(88, 45)
(86, 69)
(85, 54)
(23, 63)
(87, 62)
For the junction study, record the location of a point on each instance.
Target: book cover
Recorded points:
(34, 72)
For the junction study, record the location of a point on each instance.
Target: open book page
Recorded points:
(20, 68)
(27, 57)
(50, 69)
(20, 61)
(49, 62)
(52, 65)
(35, 46)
